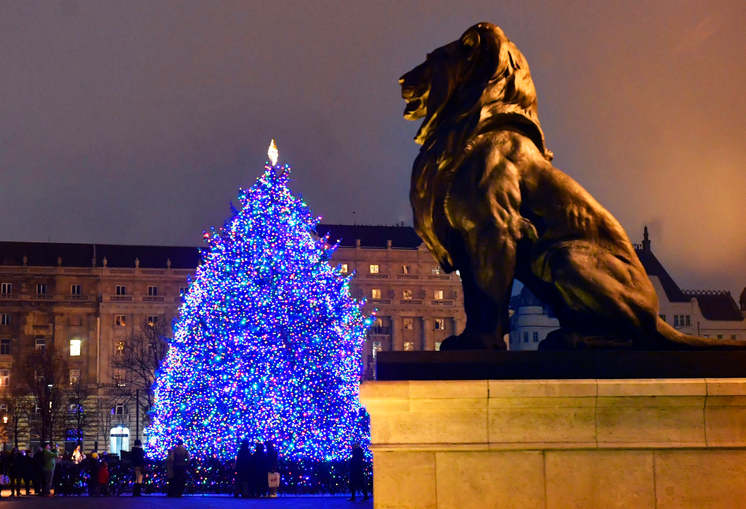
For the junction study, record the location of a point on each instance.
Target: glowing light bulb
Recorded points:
(272, 152)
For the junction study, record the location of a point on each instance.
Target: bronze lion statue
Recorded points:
(488, 202)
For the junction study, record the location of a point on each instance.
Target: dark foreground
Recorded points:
(187, 502)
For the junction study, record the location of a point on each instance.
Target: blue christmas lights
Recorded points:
(268, 342)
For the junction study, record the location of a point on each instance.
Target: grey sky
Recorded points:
(136, 121)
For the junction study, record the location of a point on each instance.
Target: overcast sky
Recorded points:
(136, 122)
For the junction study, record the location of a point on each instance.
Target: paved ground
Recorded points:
(190, 502)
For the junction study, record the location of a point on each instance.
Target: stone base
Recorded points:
(658, 443)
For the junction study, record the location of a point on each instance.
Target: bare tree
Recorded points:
(44, 373)
(77, 394)
(138, 359)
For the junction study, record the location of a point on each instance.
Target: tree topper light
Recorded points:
(272, 152)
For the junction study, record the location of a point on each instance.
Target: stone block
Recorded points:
(542, 388)
(404, 480)
(536, 420)
(451, 389)
(495, 479)
(700, 479)
(725, 421)
(653, 387)
(650, 421)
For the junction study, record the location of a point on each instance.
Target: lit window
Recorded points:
(75, 290)
(74, 376)
(438, 294)
(121, 290)
(374, 268)
(6, 289)
(152, 321)
(5, 319)
(40, 344)
(408, 323)
(408, 346)
(406, 294)
(4, 377)
(41, 289)
(120, 320)
(4, 347)
(439, 324)
(377, 346)
(118, 376)
(405, 269)
(120, 347)
(343, 268)
(378, 322)
(75, 348)
(152, 291)
(375, 293)
(437, 346)
(436, 269)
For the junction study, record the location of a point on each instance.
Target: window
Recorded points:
(118, 409)
(406, 294)
(4, 347)
(436, 269)
(152, 291)
(438, 294)
(408, 323)
(40, 344)
(5, 319)
(720, 336)
(344, 269)
(41, 289)
(439, 324)
(688, 320)
(4, 377)
(119, 347)
(525, 337)
(6, 289)
(374, 268)
(409, 346)
(74, 376)
(121, 290)
(3, 408)
(75, 347)
(535, 337)
(152, 321)
(118, 376)
(183, 290)
(75, 290)
(376, 347)
(437, 346)
(405, 269)
(663, 317)
(675, 320)
(375, 293)
(120, 320)
(377, 326)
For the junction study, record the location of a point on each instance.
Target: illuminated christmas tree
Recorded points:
(268, 341)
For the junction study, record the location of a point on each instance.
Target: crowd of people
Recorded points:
(255, 472)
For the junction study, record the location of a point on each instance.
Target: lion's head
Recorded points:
(480, 78)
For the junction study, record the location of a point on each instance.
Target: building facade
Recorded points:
(89, 301)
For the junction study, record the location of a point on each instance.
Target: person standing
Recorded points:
(77, 456)
(260, 471)
(243, 469)
(49, 461)
(357, 476)
(93, 466)
(15, 473)
(178, 457)
(138, 466)
(273, 470)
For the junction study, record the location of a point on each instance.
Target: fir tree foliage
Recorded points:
(268, 341)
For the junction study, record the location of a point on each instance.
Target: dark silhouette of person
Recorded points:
(260, 471)
(178, 457)
(137, 457)
(273, 469)
(244, 469)
(357, 474)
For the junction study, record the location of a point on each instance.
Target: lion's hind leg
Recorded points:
(600, 294)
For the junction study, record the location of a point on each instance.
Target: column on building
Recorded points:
(427, 334)
(458, 325)
(397, 339)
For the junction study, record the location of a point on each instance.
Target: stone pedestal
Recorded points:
(637, 443)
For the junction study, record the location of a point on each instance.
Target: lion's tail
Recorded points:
(671, 335)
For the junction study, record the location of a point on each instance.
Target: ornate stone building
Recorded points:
(88, 300)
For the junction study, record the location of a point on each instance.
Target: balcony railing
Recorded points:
(411, 301)
(153, 298)
(378, 276)
(121, 298)
(407, 276)
(442, 302)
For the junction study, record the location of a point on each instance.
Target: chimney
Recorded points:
(645, 240)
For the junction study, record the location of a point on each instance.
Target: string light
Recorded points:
(268, 342)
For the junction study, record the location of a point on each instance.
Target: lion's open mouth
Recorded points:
(414, 109)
